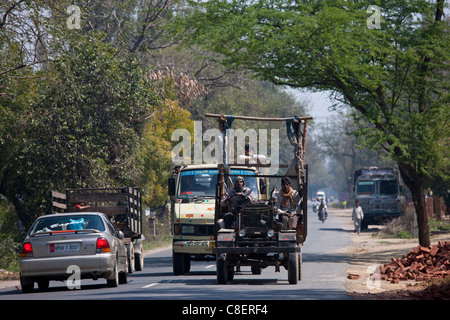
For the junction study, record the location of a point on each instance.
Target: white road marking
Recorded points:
(150, 285)
(210, 266)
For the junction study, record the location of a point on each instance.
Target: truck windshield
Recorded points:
(388, 187)
(366, 187)
(197, 183)
(249, 179)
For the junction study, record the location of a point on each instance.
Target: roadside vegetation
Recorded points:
(402, 227)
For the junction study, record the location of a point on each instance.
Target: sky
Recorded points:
(317, 104)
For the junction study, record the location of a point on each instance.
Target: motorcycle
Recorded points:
(322, 214)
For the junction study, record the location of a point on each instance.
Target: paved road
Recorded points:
(323, 277)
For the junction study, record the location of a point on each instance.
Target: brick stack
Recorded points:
(421, 263)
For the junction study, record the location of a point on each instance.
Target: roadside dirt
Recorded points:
(368, 250)
(8, 279)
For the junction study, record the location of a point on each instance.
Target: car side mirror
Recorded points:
(120, 235)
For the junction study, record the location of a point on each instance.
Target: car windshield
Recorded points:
(388, 187)
(197, 183)
(366, 187)
(67, 222)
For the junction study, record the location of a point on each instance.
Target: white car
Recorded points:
(86, 240)
(321, 195)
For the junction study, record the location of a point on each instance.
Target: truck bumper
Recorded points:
(249, 250)
(193, 246)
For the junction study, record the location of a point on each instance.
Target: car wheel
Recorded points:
(114, 281)
(131, 258)
(27, 284)
(123, 277)
(43, 285)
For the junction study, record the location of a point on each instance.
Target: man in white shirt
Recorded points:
(357, 216)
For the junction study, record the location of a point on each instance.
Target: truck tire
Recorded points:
(139, 259)
(222, 270)
(293, 271)
(300, 261)
(181, 263)
(256, 269)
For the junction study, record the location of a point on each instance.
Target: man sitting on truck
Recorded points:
(287, 205)
(235, 198)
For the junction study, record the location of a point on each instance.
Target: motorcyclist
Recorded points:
(322, 208)
(235, 198)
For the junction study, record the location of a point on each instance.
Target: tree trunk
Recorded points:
(415, 183)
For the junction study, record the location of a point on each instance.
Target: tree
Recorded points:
(83, 129)
(389, 63)
(76, 110)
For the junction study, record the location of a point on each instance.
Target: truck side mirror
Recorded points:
(262, 186)
(171, 186)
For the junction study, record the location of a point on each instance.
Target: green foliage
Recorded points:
(87, 126)
(394, 77)
(8, 252)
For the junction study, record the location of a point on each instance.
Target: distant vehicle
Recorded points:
(378, 193)
(86, 240)
(321, 195)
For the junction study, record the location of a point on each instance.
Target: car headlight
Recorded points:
(270, 233)
(241, 233)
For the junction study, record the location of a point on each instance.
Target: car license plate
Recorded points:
(65, 247)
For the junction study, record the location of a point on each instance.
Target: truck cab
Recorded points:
(378, 193)
(192, 190)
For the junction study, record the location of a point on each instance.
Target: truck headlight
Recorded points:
(270, 233)
(241, 233)
(187, 229)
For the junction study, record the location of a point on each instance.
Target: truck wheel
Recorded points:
(300, 261)
(139, 259)
(256, 269)
(222, 270)
(293, 268)
(180, 263)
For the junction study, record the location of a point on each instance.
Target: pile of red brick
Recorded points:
(422, 263)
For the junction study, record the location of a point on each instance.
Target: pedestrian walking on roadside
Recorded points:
(357, 216)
